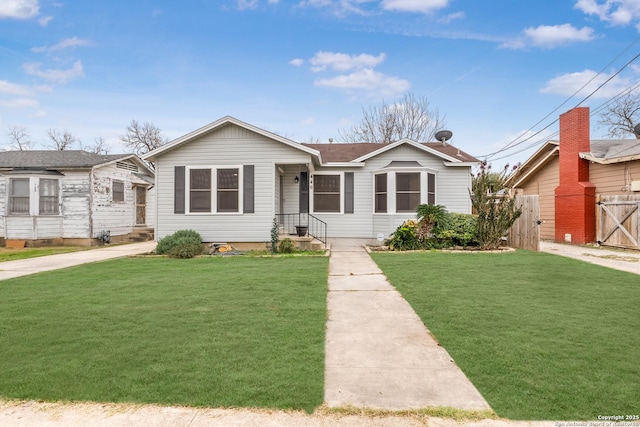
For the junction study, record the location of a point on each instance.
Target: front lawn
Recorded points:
(214, 332)
(541, 336)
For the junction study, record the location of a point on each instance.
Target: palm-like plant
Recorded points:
(428, 217)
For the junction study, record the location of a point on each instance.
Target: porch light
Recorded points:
(296, 179)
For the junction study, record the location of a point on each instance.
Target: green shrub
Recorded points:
(178, 238)
(405, 237)
(286, 246)
(458, 230)
(185, 248)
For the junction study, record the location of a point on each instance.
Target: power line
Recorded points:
(514, 142)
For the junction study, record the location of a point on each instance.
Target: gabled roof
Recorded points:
(361, 151)
(225, 121)
(539, 159)
(605, 151)
(55, 159)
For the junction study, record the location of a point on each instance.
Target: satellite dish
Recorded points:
(636, 129)
(444, 136)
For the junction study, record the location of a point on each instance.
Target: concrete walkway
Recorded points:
(378, 352)
(24, 267)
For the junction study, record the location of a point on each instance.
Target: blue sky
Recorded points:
(307, 68)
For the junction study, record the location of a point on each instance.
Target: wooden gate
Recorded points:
(618, 221)
(525, 232)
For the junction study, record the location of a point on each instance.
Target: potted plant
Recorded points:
(301, 230)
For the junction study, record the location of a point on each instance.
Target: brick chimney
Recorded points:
(575, 196)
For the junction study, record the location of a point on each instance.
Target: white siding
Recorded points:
(75, 205)
(117, 217)
(3, 204)
(230, 145)
(452, 191)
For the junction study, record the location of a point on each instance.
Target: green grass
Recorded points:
(539, 335)
(219, 332)
(11, 254)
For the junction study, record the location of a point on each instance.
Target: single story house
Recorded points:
(75, 197)
(228, 180)
(570, 174)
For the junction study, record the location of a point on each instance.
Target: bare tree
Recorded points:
(622, 115)
(409, 117)
(142, 138)
(61, 140)
(99, 146)
(19, 139)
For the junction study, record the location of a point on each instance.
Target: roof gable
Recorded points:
(225, 121)
(361, 151)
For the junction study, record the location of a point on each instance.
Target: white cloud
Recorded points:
(617, 12)
(15, 89)
(64, 44)
(308, 121)
(247, 4)
(568, 84)
(451, 17)
(19, 103)
(340, 7)
(296, 62)
(549, 36)
(369, 80)
(344, 62)
(19, 9)
(56, 76)
(44, 21)
(420, 6)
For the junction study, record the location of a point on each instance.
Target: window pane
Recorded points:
(380, 193)
(408, 182)
(381, 183)
(49, 190)
(327, 183)
(407, 202)
(200, 201)
(228, 179)
(326, 193)
(200, 179)
(326, 203)
(118, 191)
(20, 187)
(227, 201)
(381, 203)
(19, 196)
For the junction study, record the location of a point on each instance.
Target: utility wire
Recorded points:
(514, 142)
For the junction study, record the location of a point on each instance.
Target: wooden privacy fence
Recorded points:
(525, 232)
(618, 221)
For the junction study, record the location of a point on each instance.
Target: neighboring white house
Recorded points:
(228, 180)
(74, 197)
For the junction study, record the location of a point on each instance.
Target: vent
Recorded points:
(128, 166)
(635, 185)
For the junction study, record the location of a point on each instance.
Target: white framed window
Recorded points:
(327, 193)
(214, 189)
(117, 191)
(49, 197)
(46, 199)
(402, 190)
(19, 196)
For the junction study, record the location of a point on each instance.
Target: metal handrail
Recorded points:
(291, 222)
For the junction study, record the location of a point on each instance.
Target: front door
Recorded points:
(304, 192)
(141, 205)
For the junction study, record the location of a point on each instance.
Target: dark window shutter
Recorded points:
(178, 190)
(248, 189)
(348, 192)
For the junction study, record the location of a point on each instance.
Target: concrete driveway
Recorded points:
(24, 267)
(625, 260)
